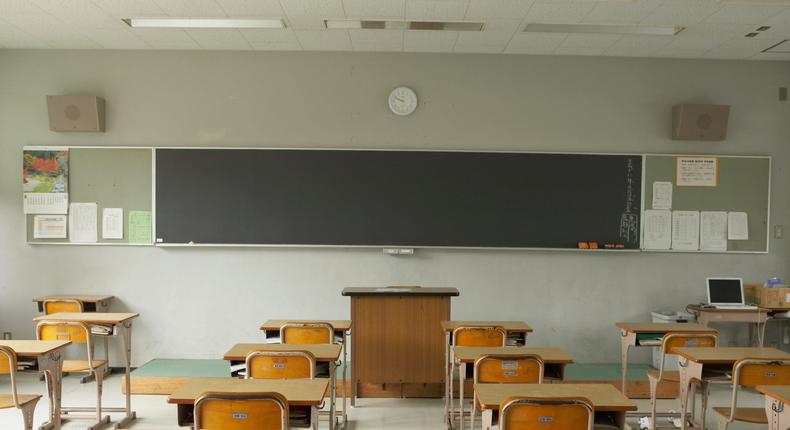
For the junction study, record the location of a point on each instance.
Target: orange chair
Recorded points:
(504, 369)
(241, 411)
(285, 365)
(79, 334)
(669, 344)
(522, 413)
(751, 373)
(53, 306)
(307, 333)
(473, 336)
(23, 402)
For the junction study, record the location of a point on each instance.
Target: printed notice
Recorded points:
(140, 227)
(737, 226)
(658, 229)
(112, 223)
(83, 222)
(45, 203)
(685, 230)
(662, 195)
(697, 172)
(713, 231)
(49, 227)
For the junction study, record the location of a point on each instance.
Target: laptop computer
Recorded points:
(727, 293)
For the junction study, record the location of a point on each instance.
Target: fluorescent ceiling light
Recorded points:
(204, 23)
(602, 29)
(370, 24)
(782, 47)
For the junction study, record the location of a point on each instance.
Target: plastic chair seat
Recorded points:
(749, 415)
(7, 400)
(81, 365)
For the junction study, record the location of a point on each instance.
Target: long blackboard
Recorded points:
(396, 198)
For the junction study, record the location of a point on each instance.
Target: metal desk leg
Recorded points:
(345, 381)
(461, 377)
(52, 366)
(125, 331)
(448, 382)
(332, 394)
(626, 341)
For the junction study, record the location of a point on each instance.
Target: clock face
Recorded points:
(402, 101)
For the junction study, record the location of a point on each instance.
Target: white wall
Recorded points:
(197, 302)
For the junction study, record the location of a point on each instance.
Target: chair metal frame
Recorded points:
(517, 401)
(736, 383)
(27, 408)
(277, 398)
(487, 418)
(668, 337)
(97, 371)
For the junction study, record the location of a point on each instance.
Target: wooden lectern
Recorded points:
(397, 346)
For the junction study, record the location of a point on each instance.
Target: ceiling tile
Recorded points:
(324, 40)
(218, 38)
(535, 43)
(376, 40)
(477, 49)
(175, 45)
(374, 8)
(319, 8)
(276, 46)
(306, 22)
(602, 41)
(496, 35)
(682, 12)
(191, 8)
(744, 14)
(130, 9)
(579, 51)
(429, 41)
(559, 12)
(155, 36)
(622, 12)
(117, 39)
(269, 35)
(13, 37)
(482, 9)
(239, 8)
(436, 9)
(12, 7)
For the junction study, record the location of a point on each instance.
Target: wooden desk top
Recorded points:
(85, 298)
(299, 392)
(509, 326)
(35, 348)
(468, 354)
(729, 355)
(338, 325)
(698, 308)
(88, 317)
(604, 397)
(400, 291)
(322, 352)
(778, 392)
(642, 327)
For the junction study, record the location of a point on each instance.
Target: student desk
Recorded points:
(90, 303)
(638, 334)
(756, 318)
(271, 330)
(554, 360)
(609, 404)
(777, 398)
(693, 362)
(121, 324)
(298, 392)
(48, 356)
(324, 353)
(163, 376)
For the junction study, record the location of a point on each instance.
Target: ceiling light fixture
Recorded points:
(602, 29)
(371, 24)
(204, 23)
(782, 47)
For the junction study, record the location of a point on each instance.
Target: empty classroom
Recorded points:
(394, 214)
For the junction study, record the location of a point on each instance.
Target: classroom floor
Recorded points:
(414, 414)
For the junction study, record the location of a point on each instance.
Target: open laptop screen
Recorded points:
(725, 291)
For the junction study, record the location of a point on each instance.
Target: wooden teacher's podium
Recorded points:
(397, 345)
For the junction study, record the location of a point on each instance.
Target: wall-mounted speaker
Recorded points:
(700, 122)
(76, 113)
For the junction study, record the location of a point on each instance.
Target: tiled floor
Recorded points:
(395, 414)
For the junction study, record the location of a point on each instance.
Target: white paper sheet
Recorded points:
(685, 230)
(713, 231)
(83, 222)
(49, 227)
(662, 195)
(697, 172)
(112, 223)
(658, 229)
(45, 203)
(737, 226)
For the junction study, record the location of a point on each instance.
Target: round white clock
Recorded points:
(402, 101)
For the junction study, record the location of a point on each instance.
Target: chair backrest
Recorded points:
(8, 367)
(479, 336)
(521, 413)
(241, 411)
(307, 333)
(280, 365)
(750, 372)
(53, 306)
(505, 369)
(76, 332)
(671, 341)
